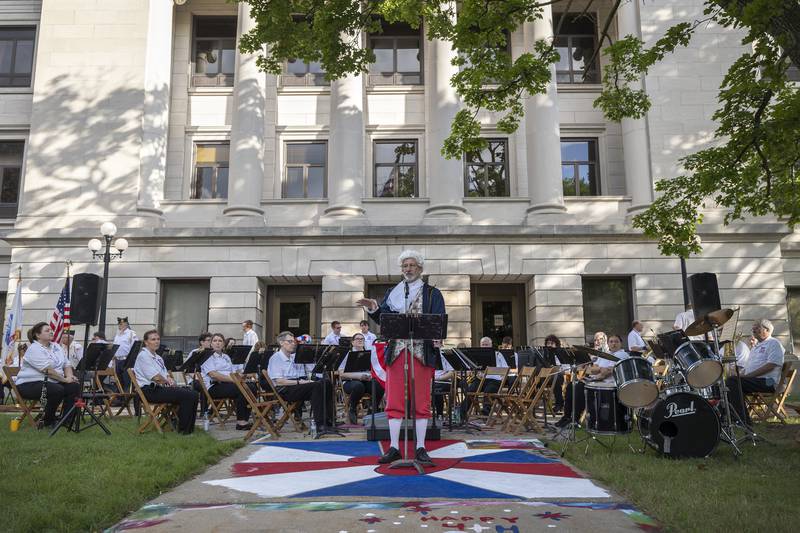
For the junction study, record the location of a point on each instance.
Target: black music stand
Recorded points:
(130, 360)
(361, 361)
(574, 358)
(173, 361)
(196, 360)
(238, 353)
(411, 327)
(97, 356)
(256, 362)
(508, 355)
(325, 358)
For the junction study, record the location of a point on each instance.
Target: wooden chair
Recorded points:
(261, 408)
(160, 415)
(28, 407)
(524, 416)
(216, 405)
(114, 394)
(480, 394)
(765, 405)
(365, 401)
(289, 409)
(502, 400)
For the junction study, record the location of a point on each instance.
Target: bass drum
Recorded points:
(680, 425)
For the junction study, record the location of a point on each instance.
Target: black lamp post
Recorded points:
(108, 229)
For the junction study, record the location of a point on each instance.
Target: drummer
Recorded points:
(601, 371)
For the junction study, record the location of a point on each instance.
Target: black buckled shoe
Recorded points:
(423, 458)
(391, 455)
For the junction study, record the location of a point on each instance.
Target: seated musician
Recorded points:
(290, 380)
(442, 381)
(551, 341)
(157, 385)
(46, 359)
(636, 345)
(600, 371)
(216, 372)
(356, 384)
(601, 341)
(762, 368)
(507, 344)
(490, 385)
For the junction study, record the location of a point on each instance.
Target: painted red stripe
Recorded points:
(265, 469)
(540, 469)
(429, 445)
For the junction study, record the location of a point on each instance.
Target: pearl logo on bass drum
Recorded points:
(673, 411)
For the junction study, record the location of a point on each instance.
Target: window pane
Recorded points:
(563, 77)
(395, 152)
(793, 303)
(305, 153)
(496, 152)
(228, 64)
(607, 306)
(408, 55)
(575, 151)
(563, 52)
(587, 180)
(294, 182)
(216, 27)
(296, 66)
(384, 56)
(316, 182)
(576, 25)
(568, 179)
(9, 193)
(384, 181)
(6, 53)
(206, 58)
(11, 153)
(315, 67)
(407, 181)
(212, 153)
(474, 180)
(185, 309)
(496, 180)
(222, 183)
(205, 176)
(583, 49)
(24, 60)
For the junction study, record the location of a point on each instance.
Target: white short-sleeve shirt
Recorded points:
(218, 362)
(767, 351)
(250, 337)
(332, 338)
(635, 339)
(147, 366)
(124, 339)
(38, 359)
(605, 363)
(282, 366)
(369, 340)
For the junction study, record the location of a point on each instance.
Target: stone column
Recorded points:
(339, 296)
(246, 167)
(155, 119)
(635, 145)
(456, 292)
(444, 177)
(542, 134)
(346, 174)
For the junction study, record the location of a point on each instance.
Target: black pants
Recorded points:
(184, 397)
(440, 390)
(57, 393)
(748, 385)
(315, 392)
(558, 391)
(356, 389)
(229, 390)
(580, 401)
(122, 374)
(489, 385)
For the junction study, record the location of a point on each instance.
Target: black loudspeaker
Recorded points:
(704, 293)
(85, 304)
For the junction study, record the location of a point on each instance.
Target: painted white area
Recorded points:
(524, 485)
(460, 451)
(277, 454)
(280, 485)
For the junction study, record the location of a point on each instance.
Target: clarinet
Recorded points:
(43, 397)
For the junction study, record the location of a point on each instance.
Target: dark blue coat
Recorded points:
(432, 303)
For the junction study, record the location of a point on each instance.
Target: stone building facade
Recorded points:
(284, 199)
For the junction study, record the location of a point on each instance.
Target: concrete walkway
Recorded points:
(483, 483)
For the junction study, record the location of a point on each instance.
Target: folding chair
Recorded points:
(216, 405)
(28, 407)
(160, 415)
(480, 395)
(260, 407)
(502, 400)
(525, 407)
(765, 405)
(345, 398)
(288, 408)
(114, 393)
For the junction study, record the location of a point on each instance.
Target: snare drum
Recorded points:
(605, 415)
(636, 384)
(699, 364)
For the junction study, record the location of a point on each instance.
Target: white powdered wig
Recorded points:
(411, 254)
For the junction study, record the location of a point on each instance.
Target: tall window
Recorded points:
(305, 170)
(10, 173)
(607, 306)
(16, 55)
(576, 42)
(579, 167)
(793, 73)
(214, 51)
(184, 312)
(486, 172)
(395, 169)
(398, 55)
(793, 303)
(210, 171)
(298, 72)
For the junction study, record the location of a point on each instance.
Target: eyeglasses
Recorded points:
(290, 341)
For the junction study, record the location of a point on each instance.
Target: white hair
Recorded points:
(411, 254)
(766, 324)
(485, 339)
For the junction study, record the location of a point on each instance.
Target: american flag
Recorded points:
(59, 322)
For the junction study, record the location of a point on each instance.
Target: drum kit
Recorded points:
(686, 413)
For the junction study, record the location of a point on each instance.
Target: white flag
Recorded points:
(13, 330)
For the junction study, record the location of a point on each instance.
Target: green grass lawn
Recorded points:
(89, 481)
(757, 492)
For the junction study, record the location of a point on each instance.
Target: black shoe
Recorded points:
(244, 427)
(391, 455)
(352, 418)
(423, 458)
(562, 422)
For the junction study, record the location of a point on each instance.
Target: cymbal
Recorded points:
(596, 353)
(708, 322)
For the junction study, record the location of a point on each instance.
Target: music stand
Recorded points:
(325, 358)
(130, 360)
(256, 362)
(508, 355)
(173, 361)
(97, 356)
(238, 353)
(574, 358)
(411, 327)
(196, 360)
